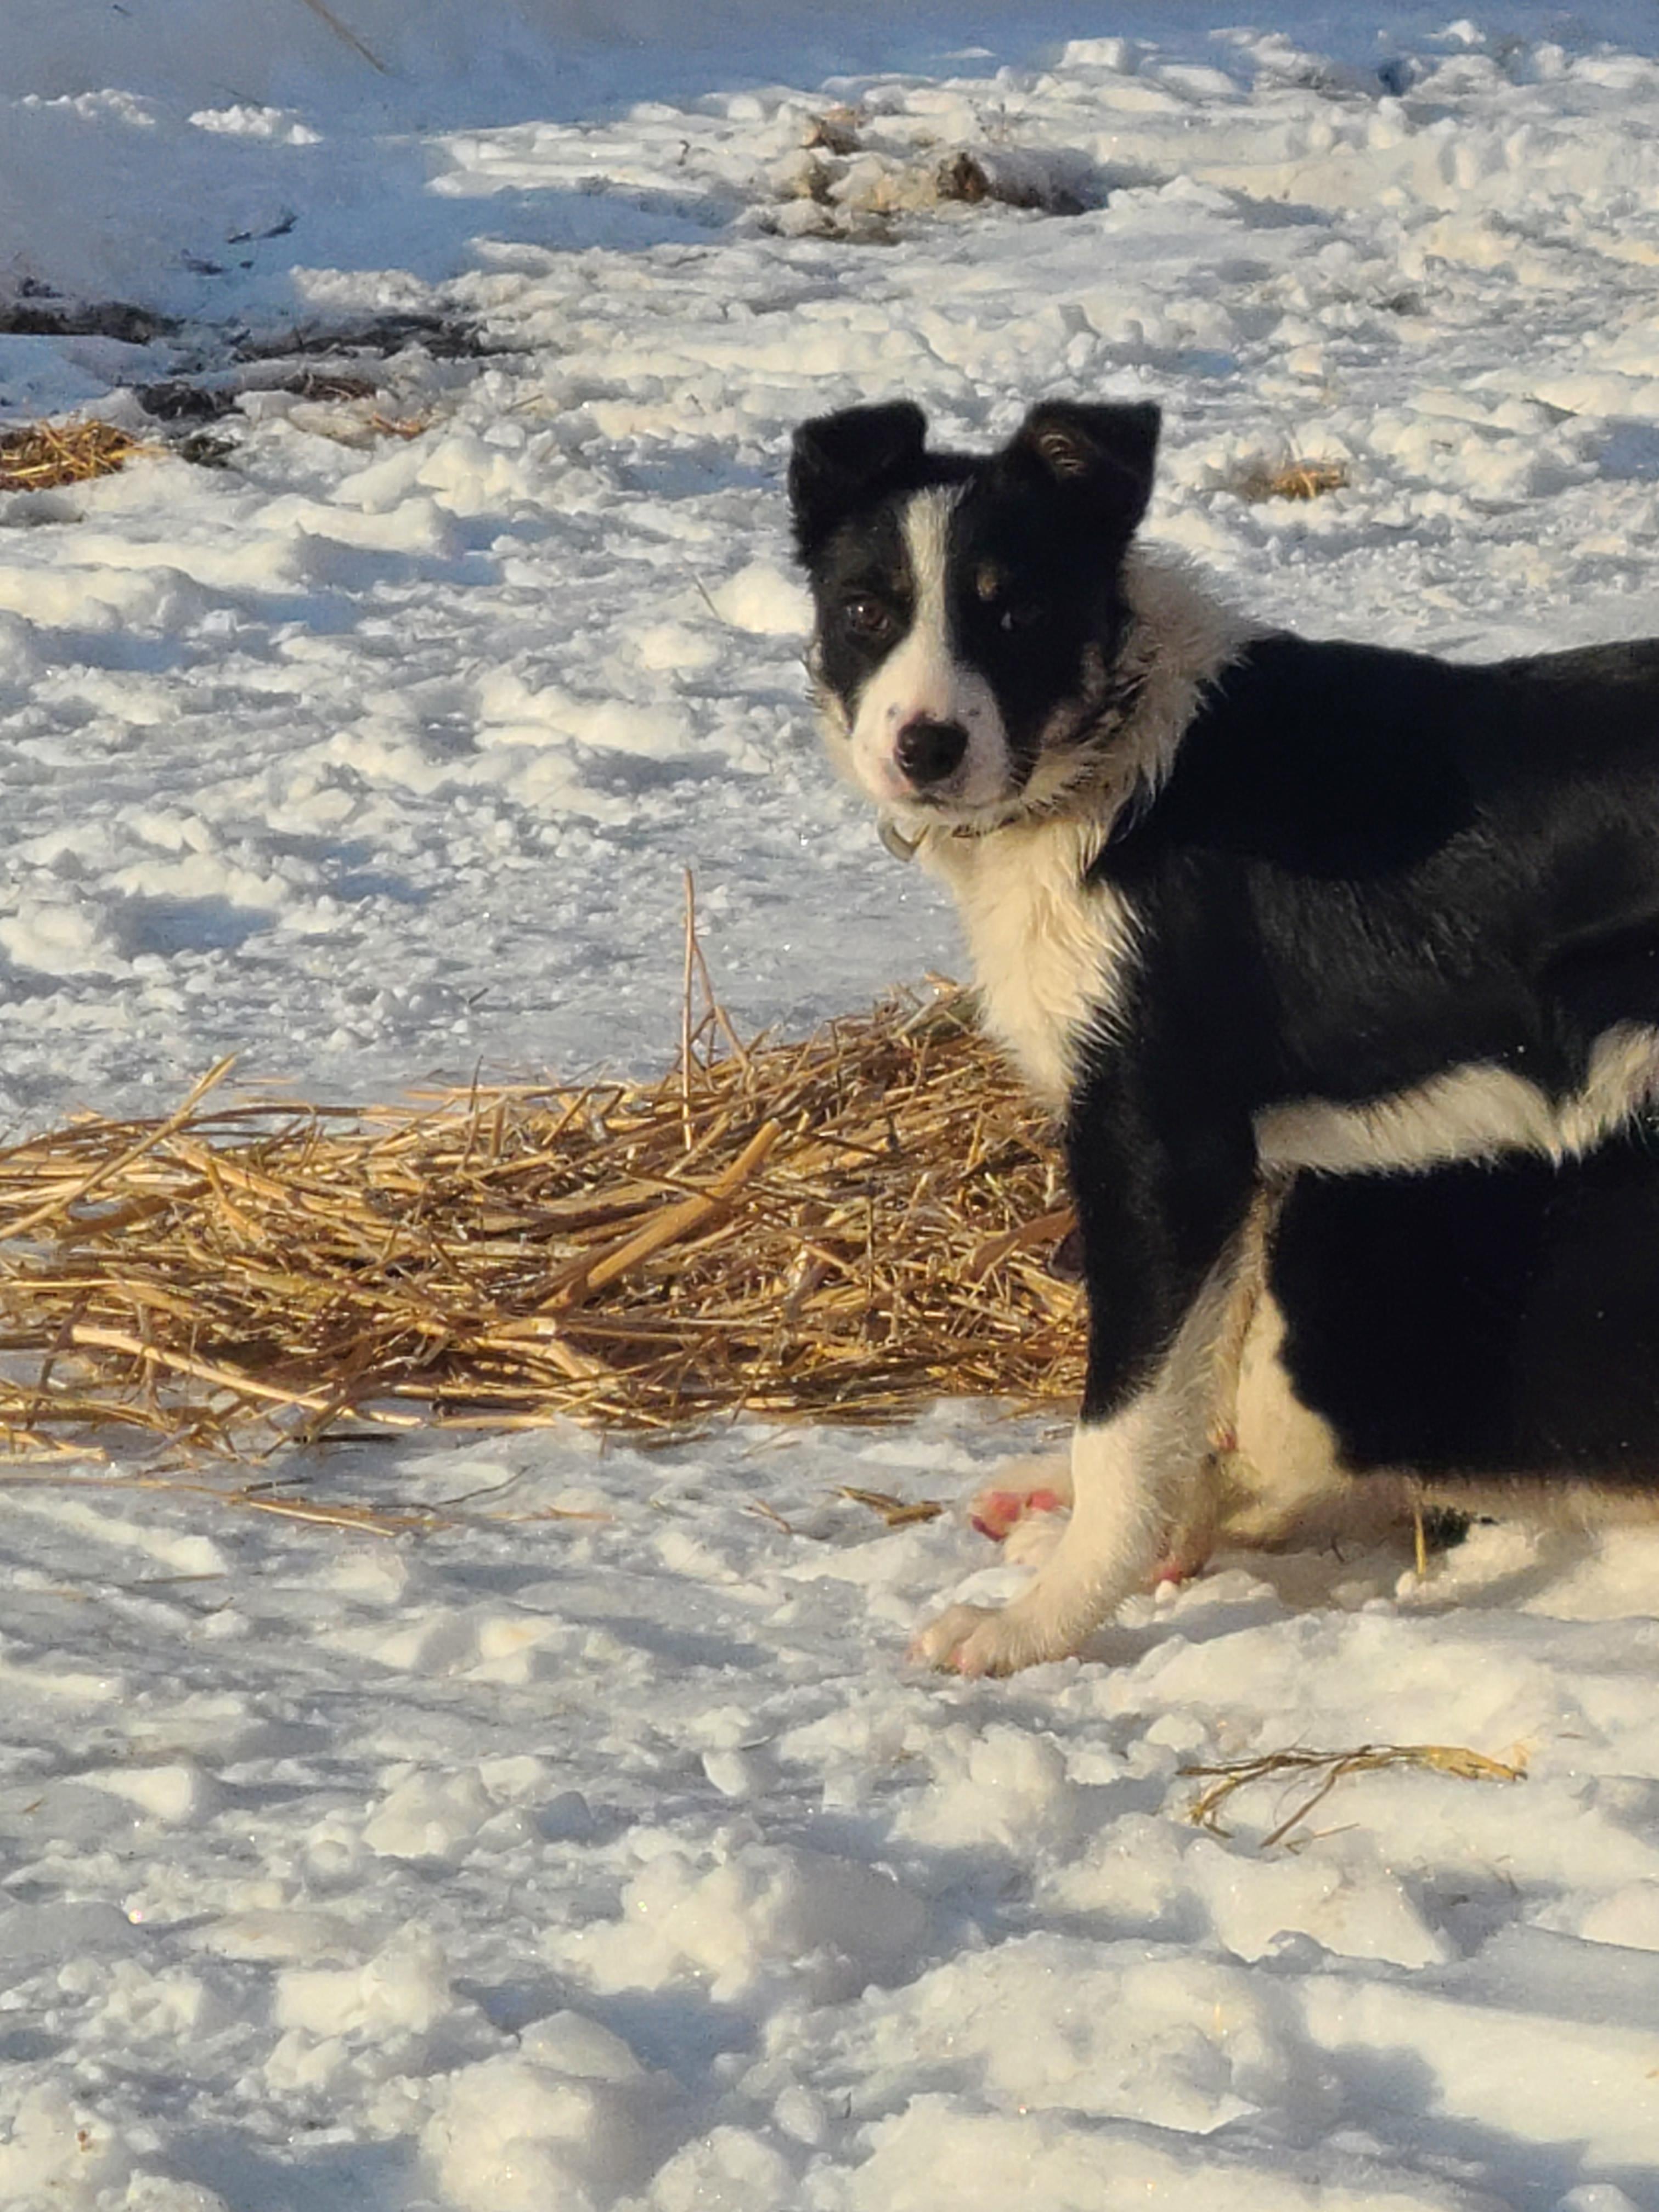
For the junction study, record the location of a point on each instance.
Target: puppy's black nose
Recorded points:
(929, 751)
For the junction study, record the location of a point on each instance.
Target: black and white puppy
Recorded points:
(1243, 903)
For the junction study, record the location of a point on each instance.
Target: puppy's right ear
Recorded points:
(841, 462)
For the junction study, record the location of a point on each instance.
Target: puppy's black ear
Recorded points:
(1104, 454)
(840, 462)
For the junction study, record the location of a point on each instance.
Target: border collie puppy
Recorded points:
(1243, 903)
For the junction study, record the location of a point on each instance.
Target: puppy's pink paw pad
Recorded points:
(994, 1513)
(1179, 1567)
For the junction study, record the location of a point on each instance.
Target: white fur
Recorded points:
(1050, 953)
(1283, 1475)
(1470, 1113)
(922, 680)
(1049, 950)
(1285, 1482)
(1133, 1477)
(1140, 1475)
(1282, 1483)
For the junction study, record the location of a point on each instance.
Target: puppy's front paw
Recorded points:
(978, 1639)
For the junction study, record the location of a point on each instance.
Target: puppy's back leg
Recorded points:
(1188, 1545)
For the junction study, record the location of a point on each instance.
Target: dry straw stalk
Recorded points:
(1326, 1768)
(845, 1228)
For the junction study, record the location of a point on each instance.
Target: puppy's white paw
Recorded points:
(979, 1639)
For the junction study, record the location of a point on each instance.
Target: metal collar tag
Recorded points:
(900, 846)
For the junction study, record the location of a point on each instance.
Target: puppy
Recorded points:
(1241, 905)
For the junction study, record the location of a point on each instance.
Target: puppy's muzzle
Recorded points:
(928, 752)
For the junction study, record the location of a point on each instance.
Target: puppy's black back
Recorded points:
(1407, 864)
(1482, 1321)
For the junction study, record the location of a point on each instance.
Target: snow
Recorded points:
(595, 1851)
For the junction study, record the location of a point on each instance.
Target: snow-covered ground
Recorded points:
(595, 1850)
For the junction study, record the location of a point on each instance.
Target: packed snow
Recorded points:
(595, 1851)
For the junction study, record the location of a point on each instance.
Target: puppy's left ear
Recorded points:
(841, 462)
(1104, 454)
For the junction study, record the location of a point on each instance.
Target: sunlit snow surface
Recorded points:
(598, 1853)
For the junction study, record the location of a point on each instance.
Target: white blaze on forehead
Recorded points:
(922, 680)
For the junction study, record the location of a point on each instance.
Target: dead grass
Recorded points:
(44, 456)
(843, 1228)
(1295, 479)
(1331, 1767)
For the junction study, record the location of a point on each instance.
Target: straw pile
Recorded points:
(846, 1227)
(41, 456)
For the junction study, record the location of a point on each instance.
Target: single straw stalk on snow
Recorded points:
(1332, 1767)
(844, 1227)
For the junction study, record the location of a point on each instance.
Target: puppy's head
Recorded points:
(967, 610)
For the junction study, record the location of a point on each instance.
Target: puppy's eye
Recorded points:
(1022, 614)
(868, 618)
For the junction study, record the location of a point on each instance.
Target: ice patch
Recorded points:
(1537, 2077)
(1343, 1897)
(940, 2155)
(60, 937)
(168, 1794)
(284, 1934)
(175, 1550)
(730, 2170)
(1132, 2031)
(482, 1641)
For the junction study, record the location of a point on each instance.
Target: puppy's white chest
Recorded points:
(1050, 951)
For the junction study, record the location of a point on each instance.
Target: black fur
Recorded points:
(1494, 1321)
(1366, 870)
(841, 464)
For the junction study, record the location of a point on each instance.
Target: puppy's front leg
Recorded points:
(1163, 1209)
(1131, 1470)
